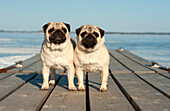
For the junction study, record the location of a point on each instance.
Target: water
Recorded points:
(151, 47)
(20, 46)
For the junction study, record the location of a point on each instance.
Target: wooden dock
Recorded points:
(132, 85)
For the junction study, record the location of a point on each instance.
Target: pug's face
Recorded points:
(89, 36)
(56, 32)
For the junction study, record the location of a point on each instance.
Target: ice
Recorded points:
(23, 53)
(7, 61)
(20, 46)
(5, 40)
(21, 50)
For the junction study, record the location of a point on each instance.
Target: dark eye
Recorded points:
(51, 30)
(96, 34)
(64, 29)
(83, 34)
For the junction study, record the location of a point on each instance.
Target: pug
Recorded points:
(57, 53)
(91, 55)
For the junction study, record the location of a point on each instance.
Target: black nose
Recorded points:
(89, 36)
(57, 31)
(89, 41)
(57, 37)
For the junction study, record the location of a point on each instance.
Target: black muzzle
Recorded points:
(57, 37)
(89, 41)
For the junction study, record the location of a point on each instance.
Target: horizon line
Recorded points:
(109, 32)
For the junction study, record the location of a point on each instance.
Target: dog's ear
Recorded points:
(101, 32)
(68, 26)
(78, 30)
(45, 27)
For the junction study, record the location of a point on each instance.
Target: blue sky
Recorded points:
(111, 15)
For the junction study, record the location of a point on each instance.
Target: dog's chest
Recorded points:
(90, 62)
(56, 61)
(91, 66)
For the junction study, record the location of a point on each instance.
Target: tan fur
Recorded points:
(92, 59)
(56, 56)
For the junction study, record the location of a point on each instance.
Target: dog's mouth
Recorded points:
(57, 37)
(89, 41)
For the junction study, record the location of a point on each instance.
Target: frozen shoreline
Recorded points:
(16, 54)
(10, 60)
(21, 46)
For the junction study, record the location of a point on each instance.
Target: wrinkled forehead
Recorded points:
(56, 24)
(89, 28)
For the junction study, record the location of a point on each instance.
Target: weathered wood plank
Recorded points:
(28, 97)
(142, 61)
(166, 75)
(147, 98)
(18, 92)
(26, 63)
(5, 75)
(61, 99)
(116, 67)
(112, 100)
(36, 67)
(136, 58)
(135, 67)
(12, 83)
(158, 81)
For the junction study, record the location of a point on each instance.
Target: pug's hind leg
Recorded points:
(52, 80)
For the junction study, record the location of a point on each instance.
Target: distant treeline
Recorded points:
(121, 33)
(140, 33)
(21, 31)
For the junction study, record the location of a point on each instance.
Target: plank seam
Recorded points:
(121, 63)
(21, 70)
(17, 88)
(165, 94)
(45, 98)
(125, 93)
(87, 93)
(136, 61)
(7, 76)
(164, 75)
(143, 65)
(156, 88)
